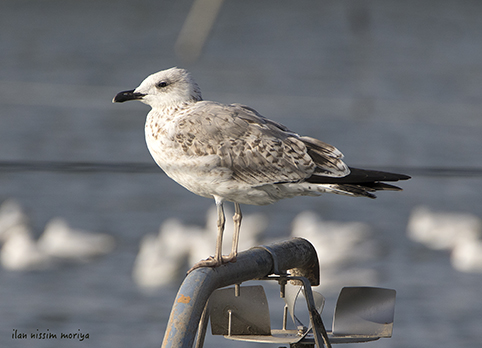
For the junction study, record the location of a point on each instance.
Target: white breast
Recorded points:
(196, 173)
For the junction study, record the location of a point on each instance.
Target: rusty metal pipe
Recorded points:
(296, 255)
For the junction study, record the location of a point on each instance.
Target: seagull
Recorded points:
(232, 153)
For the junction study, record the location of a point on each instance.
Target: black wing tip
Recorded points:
(360, 177)
(361, 182)
(404, 177)
(376, 175)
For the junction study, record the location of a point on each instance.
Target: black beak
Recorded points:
(126, 96)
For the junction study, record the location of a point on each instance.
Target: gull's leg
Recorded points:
(238, 216)
(217, 260)
(218, 256)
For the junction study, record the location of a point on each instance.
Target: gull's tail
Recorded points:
(359, 182)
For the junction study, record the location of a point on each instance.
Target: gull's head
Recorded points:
(165, 88)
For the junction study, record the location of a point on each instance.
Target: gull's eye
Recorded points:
(161, 84)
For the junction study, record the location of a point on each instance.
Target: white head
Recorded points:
(165, 88)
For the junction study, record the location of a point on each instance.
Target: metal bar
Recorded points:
(237, 289)
(202, 328)
(254, 263)
(230, 321)
(285, 316)
(316, 322)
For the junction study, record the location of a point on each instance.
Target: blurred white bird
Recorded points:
(11, 214)
(162, 259)
(461, 233)
(466, 256)
(442, 230)
(21, 253)
(62, 241)
(336, 243)
(59, 241)
(341, 247)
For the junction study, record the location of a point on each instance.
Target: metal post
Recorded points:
(202, 328)
(296, 254)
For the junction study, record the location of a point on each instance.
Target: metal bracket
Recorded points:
(316, 323)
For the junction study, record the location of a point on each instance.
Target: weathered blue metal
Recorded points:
(255, 263)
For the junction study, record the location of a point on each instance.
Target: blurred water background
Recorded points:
(392, 84)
